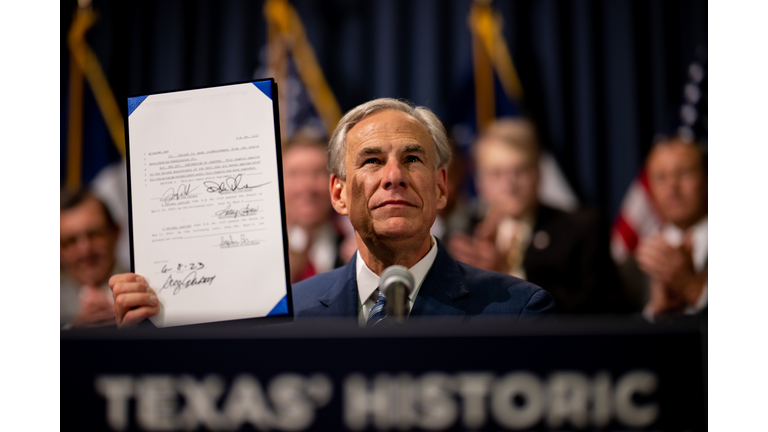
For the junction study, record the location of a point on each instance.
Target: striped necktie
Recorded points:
(378, 312)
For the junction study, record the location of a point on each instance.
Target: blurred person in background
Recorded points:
(456, 216)
(88, 237)
(675, 259)
(565, 253)
(316, 233)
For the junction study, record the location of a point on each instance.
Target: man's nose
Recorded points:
(394, 175)
(675, 184)
(83, 244)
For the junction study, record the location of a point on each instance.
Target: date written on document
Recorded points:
(180, 267)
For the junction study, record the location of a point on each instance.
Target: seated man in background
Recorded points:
(88, 238)
(315, 232)
(567, 254)
(675, 259)
(388, 174)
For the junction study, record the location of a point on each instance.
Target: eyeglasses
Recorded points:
(506, 173)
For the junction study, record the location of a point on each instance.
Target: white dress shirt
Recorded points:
(368, 282)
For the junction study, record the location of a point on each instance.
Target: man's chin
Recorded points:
(92, 276)
(395, 229)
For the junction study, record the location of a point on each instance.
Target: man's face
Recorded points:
(392, 190)
(87, 243)
(306, 186)
(506, 175)
(678, 183)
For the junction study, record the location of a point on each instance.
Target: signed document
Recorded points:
(207, 223)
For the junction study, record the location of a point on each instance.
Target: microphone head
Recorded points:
(396, 274)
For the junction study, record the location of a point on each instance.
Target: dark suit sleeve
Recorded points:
(541, 306)
(575, 266)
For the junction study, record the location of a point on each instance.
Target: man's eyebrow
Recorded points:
(414, 148)
(371, 150)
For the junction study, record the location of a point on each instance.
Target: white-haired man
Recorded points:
(387, 161)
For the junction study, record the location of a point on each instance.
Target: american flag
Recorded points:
(638, 215)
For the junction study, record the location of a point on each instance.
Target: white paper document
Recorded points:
(206, 215)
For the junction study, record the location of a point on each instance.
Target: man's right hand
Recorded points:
(134, 299)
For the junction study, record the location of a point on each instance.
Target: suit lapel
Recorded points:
(443, 285)
(341, 297)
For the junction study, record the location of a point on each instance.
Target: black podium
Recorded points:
(595, 374)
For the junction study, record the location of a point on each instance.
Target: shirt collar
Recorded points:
(368, 281)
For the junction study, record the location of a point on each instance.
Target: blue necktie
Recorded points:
(378, 312)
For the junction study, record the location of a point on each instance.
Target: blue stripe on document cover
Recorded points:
(134, 103)
(265, 87)
(281, 308)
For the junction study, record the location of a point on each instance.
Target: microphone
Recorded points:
(396, 284)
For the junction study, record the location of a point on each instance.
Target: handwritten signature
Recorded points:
(231, 184)
(234, 213)
(230, 242)
(190, 280)
(181, 192)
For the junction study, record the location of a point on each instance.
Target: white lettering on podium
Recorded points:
(518, 400)
(433, 401)
(289, 403)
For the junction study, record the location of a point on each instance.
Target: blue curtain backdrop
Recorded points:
(601, 78)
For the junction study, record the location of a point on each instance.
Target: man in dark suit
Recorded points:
(566, 253)
(453, 290)
(675, 258)
(388, 162)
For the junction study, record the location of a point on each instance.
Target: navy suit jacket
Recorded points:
(451, 289)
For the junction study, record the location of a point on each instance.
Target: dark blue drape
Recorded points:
(600, 77)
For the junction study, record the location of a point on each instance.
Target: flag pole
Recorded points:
(81, 22)
(85, 66)
(480, 20)
(285, 32)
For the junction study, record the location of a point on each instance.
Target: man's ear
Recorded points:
(441, 175)
(339, 195)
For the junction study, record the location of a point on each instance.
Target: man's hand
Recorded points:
(674, 281)
(501, 209)
(95, 309)
(134, 299)
(476, 251)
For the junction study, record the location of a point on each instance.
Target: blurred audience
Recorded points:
(675, 259)
(566, 253)
(316, 233)
(88, 238)
(456, 216)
